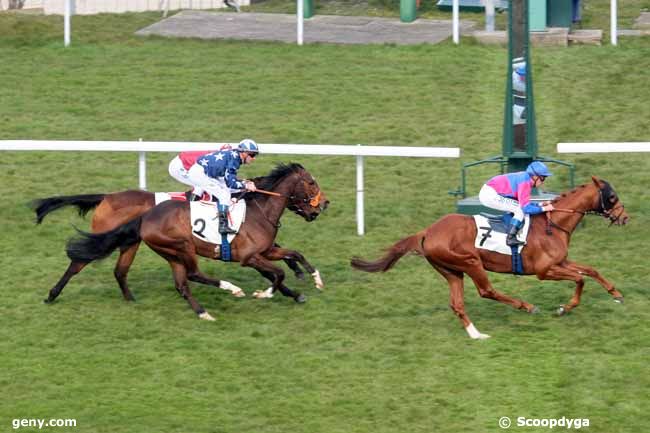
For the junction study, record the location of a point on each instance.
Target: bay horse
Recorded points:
(113, 210)
(166, 228)
(448, 245)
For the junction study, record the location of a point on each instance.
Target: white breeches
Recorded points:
(490, 198)
(216, 187)
(178, 172)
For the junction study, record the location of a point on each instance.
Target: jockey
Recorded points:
(511, 193)
(216, 173)
(180, 165)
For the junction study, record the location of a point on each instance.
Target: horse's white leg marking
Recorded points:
(318, 280)
(206, 316)
(474, 334)
(264, 294)
(236, 291)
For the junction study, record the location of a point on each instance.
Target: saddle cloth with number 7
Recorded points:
(491, 233)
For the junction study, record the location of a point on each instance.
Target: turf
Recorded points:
(371, 353)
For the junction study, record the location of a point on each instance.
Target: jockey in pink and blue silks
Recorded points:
(511, 193)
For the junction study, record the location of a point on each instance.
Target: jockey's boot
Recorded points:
(511, 239)
(224, 229)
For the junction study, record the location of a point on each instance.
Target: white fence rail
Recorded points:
(142, 147)
(603, 147)
(89, 7)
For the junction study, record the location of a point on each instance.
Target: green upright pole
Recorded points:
(519, 127)
(407, 11)
(308, 8)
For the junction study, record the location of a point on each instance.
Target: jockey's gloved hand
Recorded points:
(249, 186)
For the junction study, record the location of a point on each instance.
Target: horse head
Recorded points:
(293, 182)
(307, 200)
(608, 203)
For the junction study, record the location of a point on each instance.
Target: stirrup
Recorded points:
(227, 231)
(224, 228)
(512, 241)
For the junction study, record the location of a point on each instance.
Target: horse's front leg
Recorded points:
(278, 253)
(591, 272)
(560, 273)
(273, 274)
(293, 265)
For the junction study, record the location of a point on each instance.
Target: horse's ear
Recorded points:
(596, 181)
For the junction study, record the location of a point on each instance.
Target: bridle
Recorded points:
(313, 201)
(603, 210)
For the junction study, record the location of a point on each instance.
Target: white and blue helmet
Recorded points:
(248, 145)
(538, 168)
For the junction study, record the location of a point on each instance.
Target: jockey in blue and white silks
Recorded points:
(511, 193)
(216, 173)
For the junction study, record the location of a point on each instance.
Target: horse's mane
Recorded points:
(607, 187)
(568, 193)
(278, 173)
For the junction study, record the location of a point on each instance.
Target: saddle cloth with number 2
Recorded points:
(203, 216)
(491, 233)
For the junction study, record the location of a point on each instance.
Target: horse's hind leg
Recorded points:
(127, 255)
(182, 286)
(197, 276)
(485, 289)
(73, 269)
(456, 301)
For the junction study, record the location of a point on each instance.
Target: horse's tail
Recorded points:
(94, 246)
(394, 253)
(84, 203)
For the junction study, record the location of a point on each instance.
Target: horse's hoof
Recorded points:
(561, 311)
(618, 300)
(535, 310)
(300, 299)
(206, 316)
(47, 301)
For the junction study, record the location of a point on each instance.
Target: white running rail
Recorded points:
(142, 147)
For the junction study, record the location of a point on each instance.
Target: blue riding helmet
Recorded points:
(538, 168)
(521, 70)
(248, 145)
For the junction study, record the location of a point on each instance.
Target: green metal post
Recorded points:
(519, 130)
(308, 8)
(407, 11)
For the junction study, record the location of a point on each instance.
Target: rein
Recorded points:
(274, 194)
(603, 211)
(313, 201)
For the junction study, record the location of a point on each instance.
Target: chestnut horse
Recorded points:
(113, 210)
(448, 245)
(167, 230)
